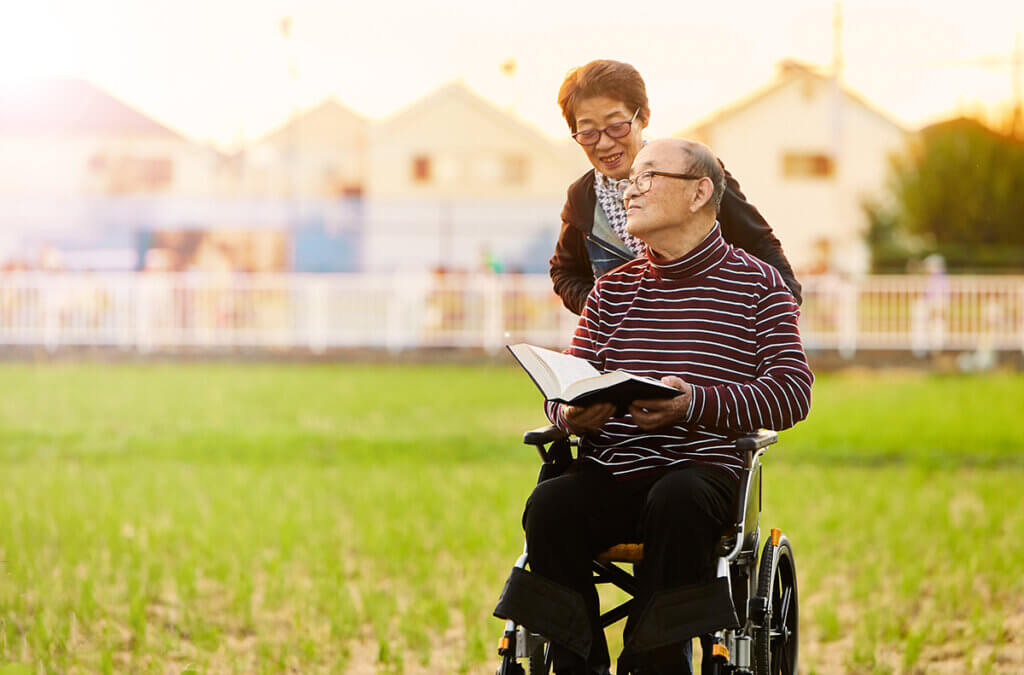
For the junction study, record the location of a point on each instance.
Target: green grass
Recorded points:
(259, 518)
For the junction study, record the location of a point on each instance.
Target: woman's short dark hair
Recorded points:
(613, 79)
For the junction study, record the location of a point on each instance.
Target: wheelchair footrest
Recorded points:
(546, 608)
(682, 613)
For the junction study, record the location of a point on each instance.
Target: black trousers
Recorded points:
(678, 515)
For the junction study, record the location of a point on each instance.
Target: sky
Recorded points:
(222, 72)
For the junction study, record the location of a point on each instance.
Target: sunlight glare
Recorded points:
(35, 42)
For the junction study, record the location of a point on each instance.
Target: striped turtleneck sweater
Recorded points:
(720, 319)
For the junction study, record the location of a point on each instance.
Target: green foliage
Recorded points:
(915, 418)
(270, 518)
(958, 190)
(892, 249)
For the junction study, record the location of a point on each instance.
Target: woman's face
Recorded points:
(611, 156)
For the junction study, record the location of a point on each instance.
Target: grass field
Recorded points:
(264, 518)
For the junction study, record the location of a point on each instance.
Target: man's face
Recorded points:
(665, 205)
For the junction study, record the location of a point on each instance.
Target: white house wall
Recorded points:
(416, 235)
(63, 166)
(320, 153)
(468, 209)
(800, 116)
(467, 141)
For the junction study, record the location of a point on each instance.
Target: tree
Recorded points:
(957, 190)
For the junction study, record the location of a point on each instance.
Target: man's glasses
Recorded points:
(645, 179)
(617, 130)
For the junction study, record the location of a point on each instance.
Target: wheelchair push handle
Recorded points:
(544, 435)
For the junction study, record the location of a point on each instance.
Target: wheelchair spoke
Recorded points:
(787, 597)
(784, 665)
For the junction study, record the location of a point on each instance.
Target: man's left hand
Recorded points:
(662, 412)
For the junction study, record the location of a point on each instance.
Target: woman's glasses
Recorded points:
(617, 130)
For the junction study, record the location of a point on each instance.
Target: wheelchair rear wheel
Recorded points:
(775, 644)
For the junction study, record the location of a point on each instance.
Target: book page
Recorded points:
(594, 383)
(566, 369)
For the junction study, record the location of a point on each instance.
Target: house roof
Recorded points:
(458, 91)
(329, 109)
(72, 107)
(789, 71)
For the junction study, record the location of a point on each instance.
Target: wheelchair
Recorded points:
(756, 634)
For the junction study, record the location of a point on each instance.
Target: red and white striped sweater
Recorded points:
(720, 319)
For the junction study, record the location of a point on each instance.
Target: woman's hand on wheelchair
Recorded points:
(662, 412)
(585, 419)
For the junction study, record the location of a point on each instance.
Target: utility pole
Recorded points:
(837, 77)
(838, 201)
(1017, 121)
(291, 154)
(509, 68)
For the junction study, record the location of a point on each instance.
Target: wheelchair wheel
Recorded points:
(539, 663)
(775, 644)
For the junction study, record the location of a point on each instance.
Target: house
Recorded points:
(807, 152)
(456, 181)
(320, 152)
(307, 179)
(80, 170)
(68, 136)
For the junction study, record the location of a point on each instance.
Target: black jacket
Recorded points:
(581, 255)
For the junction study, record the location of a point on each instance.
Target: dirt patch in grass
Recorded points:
(1001, 653)
(955, 657)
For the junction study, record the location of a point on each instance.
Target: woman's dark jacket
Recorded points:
(585, 252)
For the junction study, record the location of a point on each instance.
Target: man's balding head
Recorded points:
(704, 163)
(697, 159)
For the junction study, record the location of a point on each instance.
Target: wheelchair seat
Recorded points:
(626, 553)
(633, 553)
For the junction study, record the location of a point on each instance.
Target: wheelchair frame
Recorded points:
(763, 590)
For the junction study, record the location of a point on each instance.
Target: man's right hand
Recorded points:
(591, 418)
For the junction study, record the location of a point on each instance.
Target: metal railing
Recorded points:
(148, 312)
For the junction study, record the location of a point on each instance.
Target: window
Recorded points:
(807, 165)
(126, 174)
(515, 169)
(421, 169)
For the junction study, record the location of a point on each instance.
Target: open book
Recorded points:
(569, 379)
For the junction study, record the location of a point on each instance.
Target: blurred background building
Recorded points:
(83, 174)
(454, 181)
(808, 152)
(451, 181)
(432, 226)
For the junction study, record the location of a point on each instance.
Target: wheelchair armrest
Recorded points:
(543, 435)
(757, 440)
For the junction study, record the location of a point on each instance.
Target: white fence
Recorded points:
(147, 312)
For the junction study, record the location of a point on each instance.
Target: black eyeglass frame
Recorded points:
(597, 139)
(623, 185)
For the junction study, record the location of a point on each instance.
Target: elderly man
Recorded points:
(706, 318)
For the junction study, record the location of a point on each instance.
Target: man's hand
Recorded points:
(590, 418)
(662, 412)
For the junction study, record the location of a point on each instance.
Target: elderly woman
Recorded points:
(605, 105)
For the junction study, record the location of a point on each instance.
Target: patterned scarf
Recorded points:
(611, 203)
